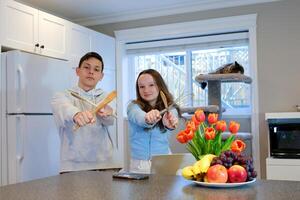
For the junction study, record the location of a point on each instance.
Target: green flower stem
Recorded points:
(190, 149)
(196, 147)
(228, 142)
(199, 146)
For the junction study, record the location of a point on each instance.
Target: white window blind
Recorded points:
(199, 42)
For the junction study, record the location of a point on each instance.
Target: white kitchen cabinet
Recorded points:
(84, 40)
(106, 47)
(52, 34)
(80, 41)
(283, 169)
(31, 30)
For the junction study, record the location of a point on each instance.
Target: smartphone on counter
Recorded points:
(130, 176)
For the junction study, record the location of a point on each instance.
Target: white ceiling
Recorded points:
(92, 12)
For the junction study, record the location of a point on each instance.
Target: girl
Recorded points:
(149, 129)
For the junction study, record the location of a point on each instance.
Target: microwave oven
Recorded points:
(284, 134)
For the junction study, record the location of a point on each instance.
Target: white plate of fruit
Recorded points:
(224, 185)
(227, 170)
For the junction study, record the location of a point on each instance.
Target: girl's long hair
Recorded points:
(159, 105)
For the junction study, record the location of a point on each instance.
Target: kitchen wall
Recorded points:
(278, 53)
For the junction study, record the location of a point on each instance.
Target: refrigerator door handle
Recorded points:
(20, 85)
(20, 127)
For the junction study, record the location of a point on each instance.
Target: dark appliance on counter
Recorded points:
(284, 137)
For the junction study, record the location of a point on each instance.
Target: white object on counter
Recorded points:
(283, 169)
(282, 115)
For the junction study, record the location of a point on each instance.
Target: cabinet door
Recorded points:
(52, 35)
(105, 46)
(20, 24)
(80, 41)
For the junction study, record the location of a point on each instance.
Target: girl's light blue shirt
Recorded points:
(146, 143)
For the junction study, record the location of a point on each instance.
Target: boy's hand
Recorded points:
(83, 118)
(152, 116)
(170, 121)
(105, 112)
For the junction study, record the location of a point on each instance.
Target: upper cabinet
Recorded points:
(32, 30)
(83, 40)
(80, 41)
(105, 46)
(25, 28)
(52, 32)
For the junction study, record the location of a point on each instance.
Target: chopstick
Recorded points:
(74, 94)
(176, 101)
(166, 109)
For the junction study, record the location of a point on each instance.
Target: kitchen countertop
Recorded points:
(100, 185)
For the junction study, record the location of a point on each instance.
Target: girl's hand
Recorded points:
(105, 112)
(83, 118)
(152, 116)
(170, 121)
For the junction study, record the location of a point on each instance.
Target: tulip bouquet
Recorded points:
(204, 136)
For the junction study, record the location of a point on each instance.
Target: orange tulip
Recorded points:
(199, 115)
(181, 137)
(210, 133)
(212, 118)
(221, 126)
(234, 127)
(238, 146)
(189, 135)
(190, 126)
(196, 122)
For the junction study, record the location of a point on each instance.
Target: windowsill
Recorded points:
(235, 116)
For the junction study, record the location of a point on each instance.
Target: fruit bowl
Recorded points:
(230, 169)
(223, 185)
(218, 162)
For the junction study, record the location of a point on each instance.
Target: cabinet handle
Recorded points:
(37, 45)
(42, 46)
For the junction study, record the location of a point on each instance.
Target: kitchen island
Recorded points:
(100, 185)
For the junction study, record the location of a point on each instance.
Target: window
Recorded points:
(180, 65)
(183, 37)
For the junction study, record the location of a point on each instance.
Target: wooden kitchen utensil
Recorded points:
(111, 96)
(76, 95)
(164, 99)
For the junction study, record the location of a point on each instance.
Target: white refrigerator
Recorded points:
(29, 141)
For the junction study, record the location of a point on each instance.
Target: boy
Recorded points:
(90, 145)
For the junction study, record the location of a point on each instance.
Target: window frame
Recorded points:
(188, 51)
(184, 29)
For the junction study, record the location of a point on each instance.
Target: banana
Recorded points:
(196, 169)
(187, 172)
(204, 163)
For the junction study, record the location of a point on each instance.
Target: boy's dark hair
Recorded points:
(91, 55)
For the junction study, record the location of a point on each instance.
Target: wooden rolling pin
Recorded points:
(111, 96)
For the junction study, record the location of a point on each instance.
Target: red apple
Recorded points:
(217, 174)
(237, 174)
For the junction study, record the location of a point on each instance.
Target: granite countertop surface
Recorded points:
(100, 185)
